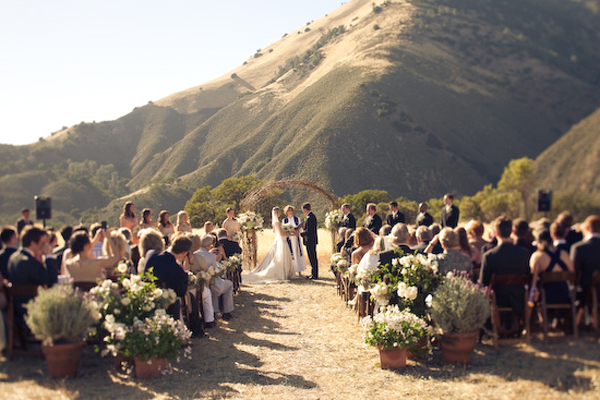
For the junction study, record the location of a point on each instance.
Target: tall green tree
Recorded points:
(518, 180)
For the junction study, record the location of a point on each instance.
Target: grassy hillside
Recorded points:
(417, 98)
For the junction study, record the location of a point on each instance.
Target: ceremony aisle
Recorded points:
(298, 340)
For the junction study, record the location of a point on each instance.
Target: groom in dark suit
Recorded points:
(373, 221)
(309, 237)
(348, 221)
(450, 213)
(395, 216)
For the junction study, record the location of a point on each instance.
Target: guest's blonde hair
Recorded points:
(119, 241)
(151, 239)
(196, 242)
(449, 238)
(180, 216)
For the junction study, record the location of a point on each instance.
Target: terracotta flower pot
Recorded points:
(458, 347)
(152, 368)
(63, 359)
(392, 357)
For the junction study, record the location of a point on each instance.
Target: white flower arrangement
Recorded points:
(407, 292)
(339, 262)
(351, 273)
(288, 228)
(394, 328)
(333, 219)
(251, 220)
(381, 293)
(210, 275)
(236, 236)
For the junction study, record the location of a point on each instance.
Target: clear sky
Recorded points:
(67, 61)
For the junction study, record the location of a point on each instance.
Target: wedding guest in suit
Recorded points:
(10, 241)
(310, 240)
(450, 213)
(400, 237)
(451, 259)
(373, 221)
(166, 267)
(363, 241)
(33, 264)
(230, 247)
(221, 286)
(66, 233)
(573, 235)
(522, 235)
(395, 216)
(128, 219)
(183, 222)
(558, 233)
(24, 220)
(342, 241)
(83, 266)
(146, 221)
(475, 232)
(506, 258)
(348, 248)
(423, 236)
(424, 218)
(348, 221)
(196, 264)
(586, 257)
(231, 224)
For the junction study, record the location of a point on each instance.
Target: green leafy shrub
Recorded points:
(459, 305)
(61, 314)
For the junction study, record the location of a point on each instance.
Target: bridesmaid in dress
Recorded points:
(128, 220)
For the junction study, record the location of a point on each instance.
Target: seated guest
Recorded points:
(412, 237)
(83, 266)
(573, 235)
(424, 236)
(150, 239)
(548, 258)
(221, 286)
(506, 258)
(342, 241)
(467, 248)
(382, 243)
(586, 257)
(349, 244)
(400, 237)
(198, 263)
(67, 252)
(475, 232)
(230, 247)
(451, 259)
(66, 233)
(165, 266)
(522, 235)
(33, 264)
(559, 233)
(97, 240)
(120, 244)
(363, 241)
(10, 241)
(52, 239)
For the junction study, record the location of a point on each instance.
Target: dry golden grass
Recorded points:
(298, 340)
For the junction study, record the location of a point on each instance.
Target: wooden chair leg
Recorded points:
(595, 312)
(544, 314)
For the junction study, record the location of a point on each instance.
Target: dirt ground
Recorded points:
(298, 340)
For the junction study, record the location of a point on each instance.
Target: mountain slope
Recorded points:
(417, 98)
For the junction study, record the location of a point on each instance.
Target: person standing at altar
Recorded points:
(373, 222)
(294, 243)
(450, 213)
(395, 216)
(424, 218)
(348, 221)
(230, 224)
(24, 220)
(309, 237)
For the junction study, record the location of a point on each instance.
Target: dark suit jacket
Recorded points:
(373, 224)
(309, 235)
(573, 237)
(425, 220)
(586, 258)
(392, 221)
(386, 257)
(420, 248)
(4, 257)
(526, 245)
(168, 274)
(349, 222)
(21, 223)
(501, 260)
(450, 218)
(231, 247)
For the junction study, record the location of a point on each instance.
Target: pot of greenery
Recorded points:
(393, 332)
(459, 309)
(61, 317)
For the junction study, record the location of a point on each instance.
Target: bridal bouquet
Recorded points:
(289, 228)
(333, 219)
(251, 220)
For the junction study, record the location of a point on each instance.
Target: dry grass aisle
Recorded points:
(298, 340)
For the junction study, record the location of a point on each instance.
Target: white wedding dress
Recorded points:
(277, 265)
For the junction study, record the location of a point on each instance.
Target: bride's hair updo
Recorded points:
(277, 209)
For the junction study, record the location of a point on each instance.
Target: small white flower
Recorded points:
(126, 301)
(122, 268)
(428, 300)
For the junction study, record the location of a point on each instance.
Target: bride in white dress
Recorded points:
(277, 265)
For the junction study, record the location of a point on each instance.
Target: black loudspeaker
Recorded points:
(544, 200)
(43, 207)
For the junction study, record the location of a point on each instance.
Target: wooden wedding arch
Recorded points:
(253, 198)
